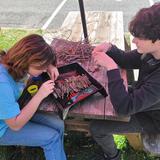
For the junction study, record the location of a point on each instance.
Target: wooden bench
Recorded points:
(134, 139)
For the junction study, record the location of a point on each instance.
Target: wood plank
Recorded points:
(102, 26)
(93, 107)
(134, 140)
(77, 125)
(73, 23)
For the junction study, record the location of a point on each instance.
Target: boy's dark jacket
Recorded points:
(143, 101)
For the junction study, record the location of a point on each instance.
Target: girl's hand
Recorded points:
(53, 72)
(46, 89)
(102, 59)
(104, 47)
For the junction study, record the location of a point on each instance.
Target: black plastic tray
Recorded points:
(66, 101)
(84, 93)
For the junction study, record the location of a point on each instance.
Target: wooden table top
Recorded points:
(102, 26)
(97, 106)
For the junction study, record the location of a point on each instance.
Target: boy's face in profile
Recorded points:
(147, 46)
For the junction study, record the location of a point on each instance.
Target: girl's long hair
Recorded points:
(30, 50)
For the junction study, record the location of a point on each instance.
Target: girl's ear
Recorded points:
(2, 53)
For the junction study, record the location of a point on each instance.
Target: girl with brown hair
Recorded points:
(29, 56)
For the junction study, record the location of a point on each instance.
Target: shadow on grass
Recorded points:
(80, 147)
(77, 146)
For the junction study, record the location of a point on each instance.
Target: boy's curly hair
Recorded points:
(146, 23)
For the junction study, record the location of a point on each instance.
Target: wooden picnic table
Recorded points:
(102, 27)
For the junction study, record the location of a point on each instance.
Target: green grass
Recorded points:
(80, 147)
(9, 36)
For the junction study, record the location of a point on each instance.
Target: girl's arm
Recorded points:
(28, 111)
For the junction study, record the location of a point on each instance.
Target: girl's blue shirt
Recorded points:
(9, 94)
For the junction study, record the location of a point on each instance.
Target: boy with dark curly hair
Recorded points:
(142, 102)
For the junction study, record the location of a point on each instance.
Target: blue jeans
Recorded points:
(44, 130)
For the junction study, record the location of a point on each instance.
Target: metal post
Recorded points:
(83, 19)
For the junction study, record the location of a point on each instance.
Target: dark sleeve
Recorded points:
(127, 60)
(139, 100)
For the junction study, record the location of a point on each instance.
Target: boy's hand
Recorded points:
(102, 59)
(104, 47)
